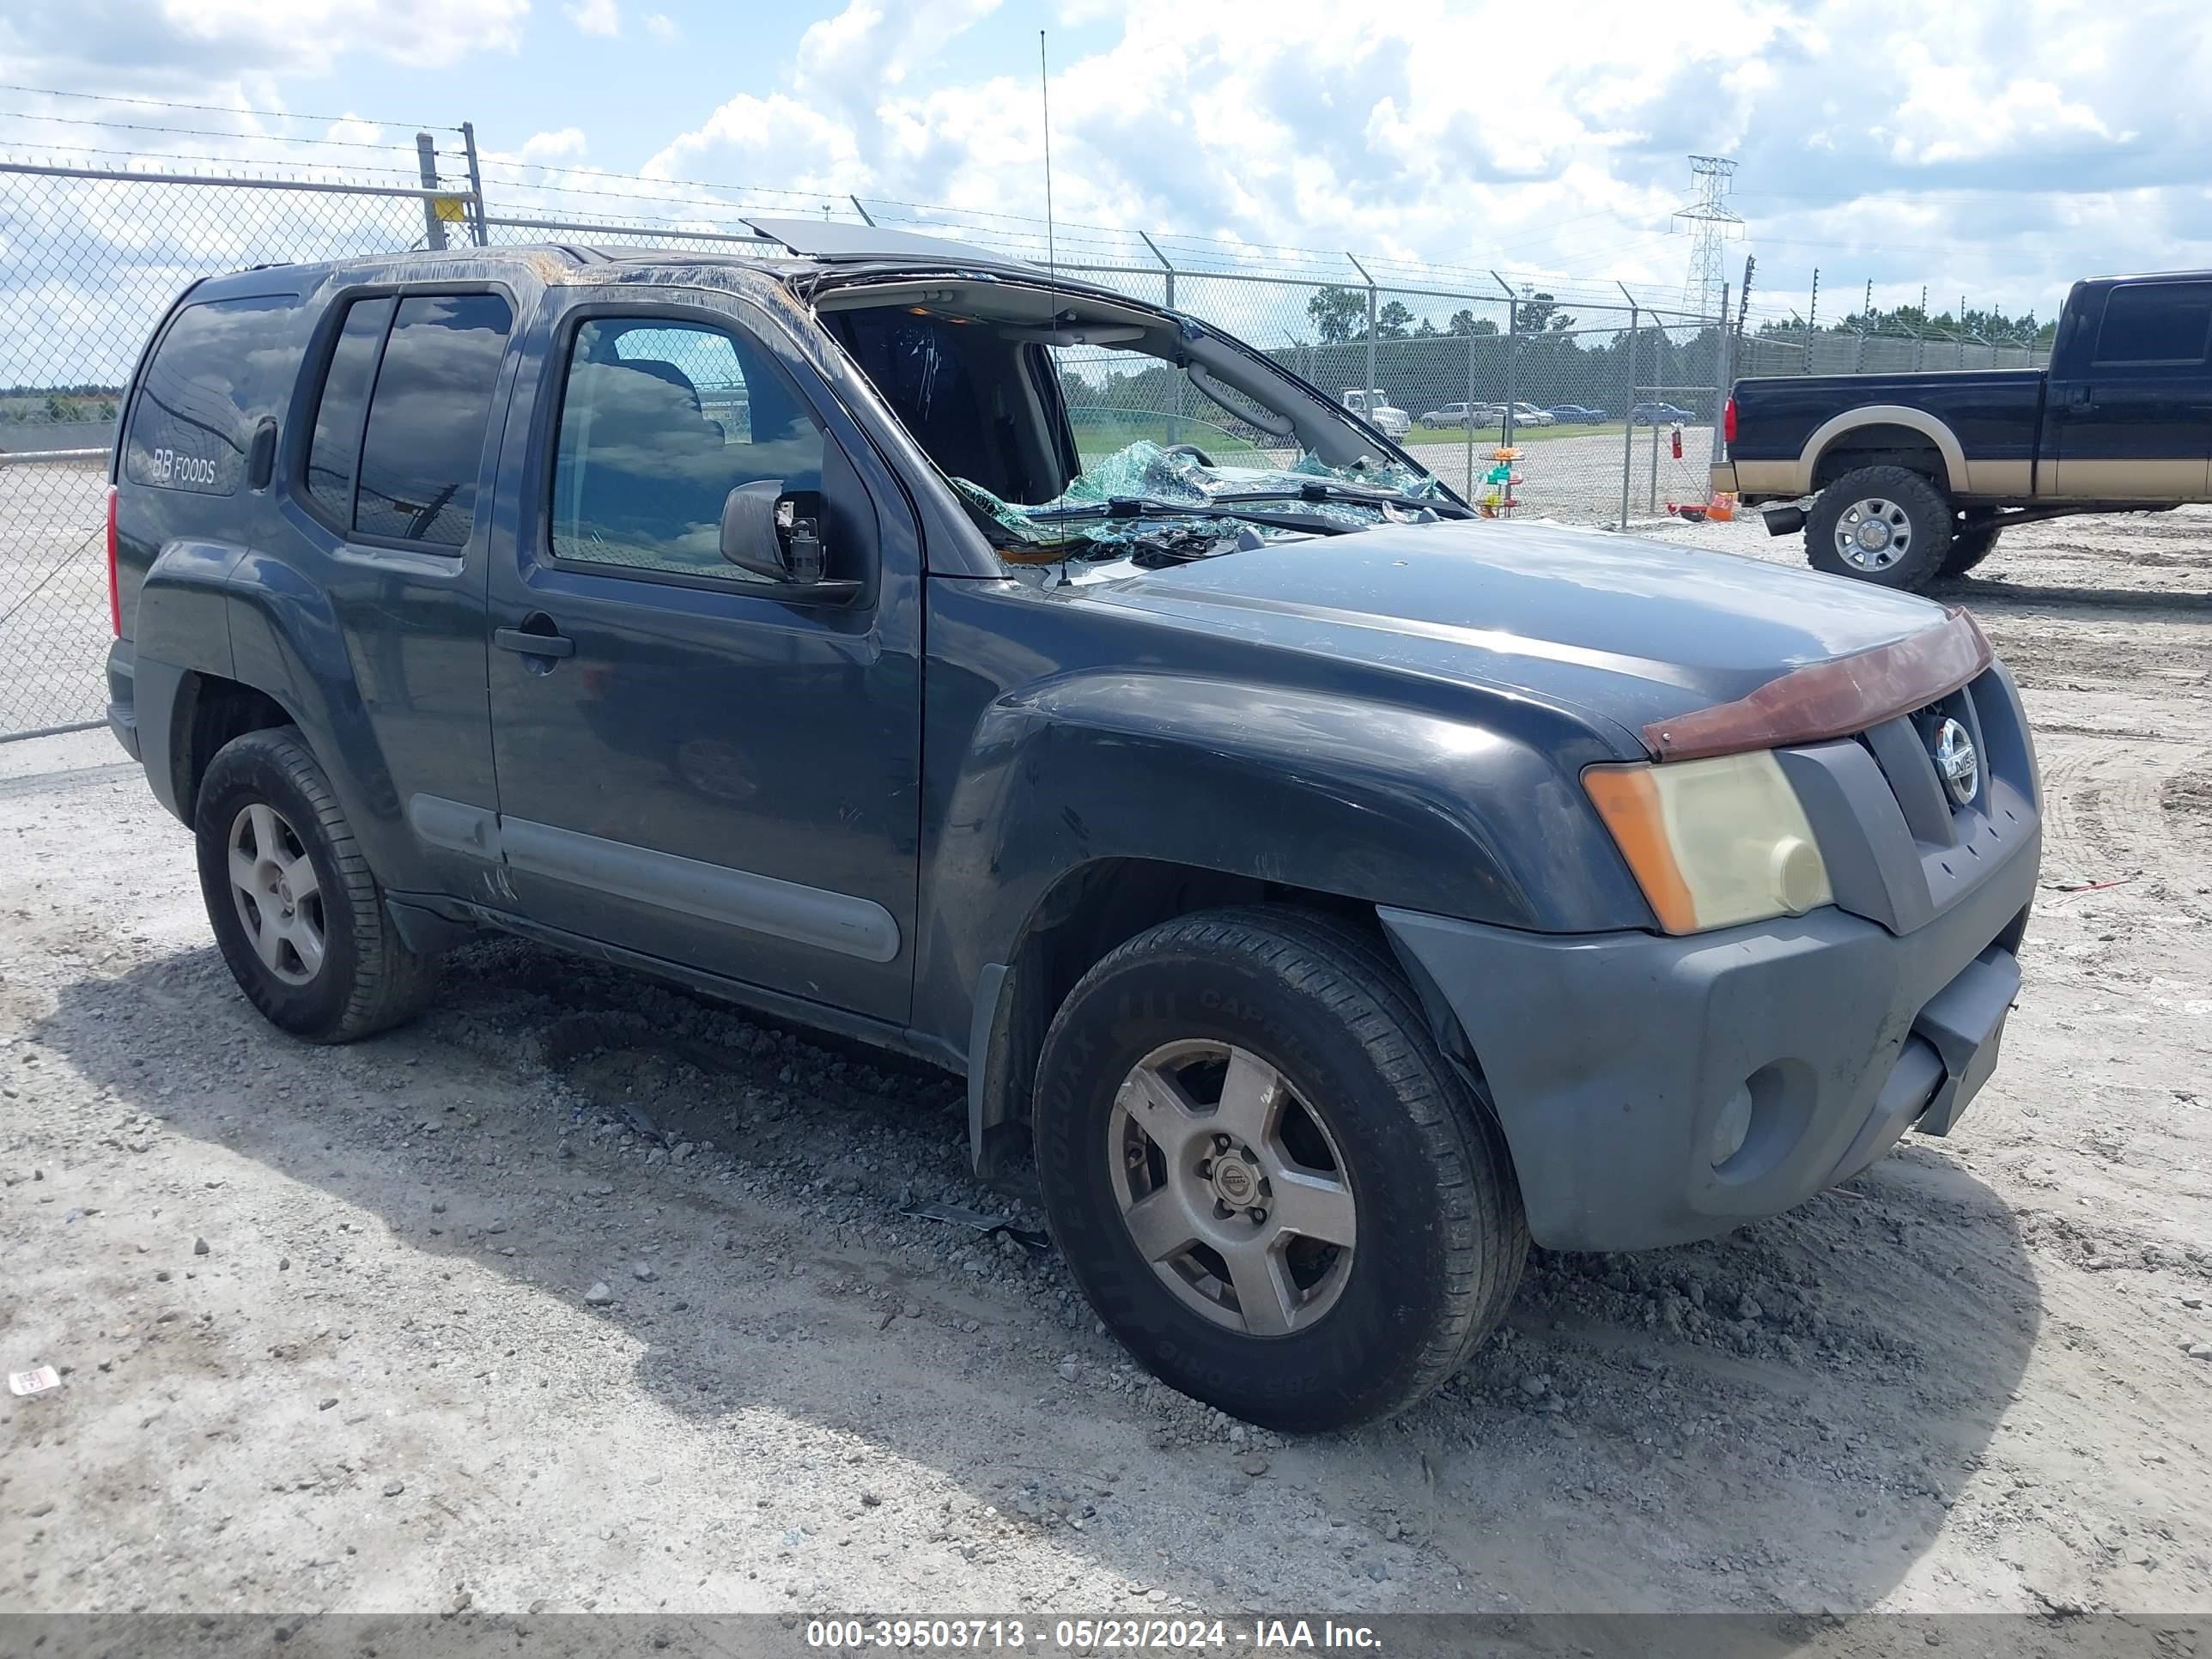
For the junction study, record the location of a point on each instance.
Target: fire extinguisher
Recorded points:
(1676, 439)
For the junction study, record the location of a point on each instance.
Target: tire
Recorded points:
(1970, 545)
(1913, 515)
(1378, 1137)
(326, 964)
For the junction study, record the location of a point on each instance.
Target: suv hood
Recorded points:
(1630, 630)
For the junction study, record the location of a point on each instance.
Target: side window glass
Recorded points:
(188, 424)
(426, 416)
(334, 452)
(659, 420)
(2157, 323)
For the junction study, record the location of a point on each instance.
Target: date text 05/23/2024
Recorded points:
(1256, 1637)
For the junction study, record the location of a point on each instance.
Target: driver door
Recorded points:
(692, 765)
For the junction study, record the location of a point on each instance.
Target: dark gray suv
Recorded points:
(1324, 889)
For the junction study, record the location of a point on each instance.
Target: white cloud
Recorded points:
(565, 145)
(1471, 136)
(1996, 146)
(312, 35)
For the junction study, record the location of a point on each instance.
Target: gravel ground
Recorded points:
(584, 1293)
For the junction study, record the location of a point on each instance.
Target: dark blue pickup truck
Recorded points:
(1322, 890)
(1913, 477)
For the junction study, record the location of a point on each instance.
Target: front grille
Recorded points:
(1957, 842)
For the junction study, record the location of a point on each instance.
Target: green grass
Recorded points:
(1097, 437)
(1490, 437)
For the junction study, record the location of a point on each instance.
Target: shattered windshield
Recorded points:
(1148, 494)
(1092, 429)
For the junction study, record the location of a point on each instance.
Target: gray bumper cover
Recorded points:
(1610, 1056)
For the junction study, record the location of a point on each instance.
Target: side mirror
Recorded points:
(774, 533)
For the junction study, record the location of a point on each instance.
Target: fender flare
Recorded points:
(1825, 435)
(286, 643)
(1479, 815)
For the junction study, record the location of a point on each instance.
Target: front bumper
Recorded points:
(1612, 1057)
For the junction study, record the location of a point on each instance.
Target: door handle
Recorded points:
(2079, 399)
(531, 643)
(261, 454)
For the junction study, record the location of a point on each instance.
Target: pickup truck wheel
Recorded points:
(297, 915)
(1271, 1186)
(1885, 525)
(1969, 545)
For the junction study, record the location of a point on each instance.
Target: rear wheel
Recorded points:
(298, 916)
(1969, 545)
(1885, 525)
(1272, 1186)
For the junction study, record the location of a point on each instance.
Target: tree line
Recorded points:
(1339, 316)
(1973, 322)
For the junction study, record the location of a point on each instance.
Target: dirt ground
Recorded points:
(583, 1293)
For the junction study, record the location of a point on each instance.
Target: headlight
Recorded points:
(1712, 843)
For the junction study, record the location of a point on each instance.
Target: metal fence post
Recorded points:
(476, 208)
(1725, 355)
(1628, 416)
(1176, 420)
(1367, 397)
(1652, 504)
(1471, 337)
(1512, 359)
(1512, 368)
(426, 156)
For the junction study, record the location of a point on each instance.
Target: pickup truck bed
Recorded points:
(1992, 418)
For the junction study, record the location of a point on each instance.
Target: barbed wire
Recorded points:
(210, 109)
(203, 132)
(410, 173)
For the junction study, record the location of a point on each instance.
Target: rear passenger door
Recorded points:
(694, 766)
(2132, 421)
(384, 517)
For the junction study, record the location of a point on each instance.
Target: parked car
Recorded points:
(1576, 415)
(1462, 415)
(1530, 414)
(1323, 890)
(1914, 476)
(1386, 416)
(1652, 412)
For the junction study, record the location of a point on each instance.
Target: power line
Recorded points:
(194, 155)
(206, 109)
(202, 132)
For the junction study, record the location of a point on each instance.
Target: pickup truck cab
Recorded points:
(1322, 890)
(1374, 405)
(1914, 476)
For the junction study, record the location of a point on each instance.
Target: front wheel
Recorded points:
(1885, 525)
(297, 913)
(1271, 1186)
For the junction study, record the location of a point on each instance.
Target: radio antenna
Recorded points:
(1051, 243)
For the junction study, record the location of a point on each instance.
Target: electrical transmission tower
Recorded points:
(1711, 223)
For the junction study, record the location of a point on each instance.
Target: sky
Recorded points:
(1990, 149)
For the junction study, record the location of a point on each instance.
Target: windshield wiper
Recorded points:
(1354, 494)
(1141, 507)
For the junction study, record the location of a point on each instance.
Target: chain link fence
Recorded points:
(88, 263)
(1777, 348)
(1582, 407)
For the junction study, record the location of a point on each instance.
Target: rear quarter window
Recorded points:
(191, 414)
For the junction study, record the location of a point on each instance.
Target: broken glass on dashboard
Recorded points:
(1148, 494)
